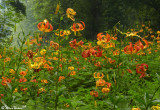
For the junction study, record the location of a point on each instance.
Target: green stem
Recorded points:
(20, 57)
(57, 76)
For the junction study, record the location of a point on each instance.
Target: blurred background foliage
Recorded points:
(98, 15)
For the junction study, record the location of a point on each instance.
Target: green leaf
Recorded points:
(17, 94)
(9, 85)
(61, 18)
(66, 37)
(158, 77)
(156, 101)
(74, 104)
(61, 91)
(30, 103)
(81, 103)
(140, 101)
(146, 98)
(1, 7)
(2, 101)
(15, 28)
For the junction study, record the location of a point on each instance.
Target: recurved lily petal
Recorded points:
(105, 38)
(45, 26)
(146, 42)
(141, 69)
(78, 26)
(98, 75)
(130, 49)
(99, 53)
(70, 13)
(139, 43)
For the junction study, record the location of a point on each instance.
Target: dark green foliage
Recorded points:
(18, 6)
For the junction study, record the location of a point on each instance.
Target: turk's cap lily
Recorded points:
(98, 75)
(130, 49)
(104, 38)
(78, 26)
(141, 69)
(105, 90)
(45, 26)
(70, 13)
(139, 43)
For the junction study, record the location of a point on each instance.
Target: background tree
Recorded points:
(98, 15)
(11, 12)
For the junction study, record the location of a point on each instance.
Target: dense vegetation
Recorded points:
(80, 54)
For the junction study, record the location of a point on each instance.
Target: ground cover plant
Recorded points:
(118, 71)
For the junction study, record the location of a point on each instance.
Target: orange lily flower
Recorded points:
(139, 43)
(70, 13)
(141, 69)
(78, 27)
(130, 49)
(74, 43)
(100, 82)
(104, 38)
(99, 53)
(57, 33)
(105, 90)
(55, 45)
(94, 93)
(91, 51)
(98, 75)
(86, 53)
(5, 80)
(146, 42)
(45, 26)
(23, 73)
(22, 80)
(61, 78)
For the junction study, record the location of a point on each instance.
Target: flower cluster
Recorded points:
(102, 83)
(156, 107)
(74, 44)
(91, 51)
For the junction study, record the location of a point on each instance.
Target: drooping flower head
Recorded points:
(105, 90)
(141, 69)
(45, 26)
(94, 93)
(70, 13)
(76, 27)
(98, 75)
(130, 49)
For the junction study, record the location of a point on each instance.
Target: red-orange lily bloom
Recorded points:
(139, 43)
(99, 53)
(105, 38)
(98, 75)
(78, 26)
(74, 43)
(86, 53)
(100, 82)
(70, 13)
(92, 51)
(45, 26)
(141, 69)
(94, 93)
(130, 49)
(5, 80)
